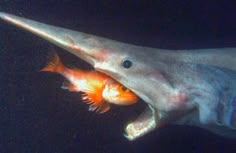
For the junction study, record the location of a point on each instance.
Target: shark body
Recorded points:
(193, 87)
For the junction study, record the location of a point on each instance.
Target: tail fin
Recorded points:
(54, 64)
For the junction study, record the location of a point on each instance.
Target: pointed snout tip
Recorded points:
(3, 15)
(6, 16)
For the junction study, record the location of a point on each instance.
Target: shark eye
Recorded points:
(126, 63)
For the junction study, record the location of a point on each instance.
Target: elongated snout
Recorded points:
(87, 47)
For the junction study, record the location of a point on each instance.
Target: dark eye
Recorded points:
(123, 88)
(126, 63)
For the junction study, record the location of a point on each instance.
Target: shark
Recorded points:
(195, 87)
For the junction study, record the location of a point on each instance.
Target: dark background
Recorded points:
(37, 116)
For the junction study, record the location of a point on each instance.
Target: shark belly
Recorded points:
(215, 103)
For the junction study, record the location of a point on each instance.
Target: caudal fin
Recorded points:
(54, 64)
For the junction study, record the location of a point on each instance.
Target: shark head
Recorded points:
(133, 66)
(128, 64)
(166, 80)
(125, 63)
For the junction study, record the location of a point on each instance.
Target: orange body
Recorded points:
(99, 90)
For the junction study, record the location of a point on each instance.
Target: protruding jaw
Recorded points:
(135, 130)
(145, 123)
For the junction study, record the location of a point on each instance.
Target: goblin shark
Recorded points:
(187, 87)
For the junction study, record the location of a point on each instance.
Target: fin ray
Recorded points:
(95, 102)
(69, 86)
(54, 64)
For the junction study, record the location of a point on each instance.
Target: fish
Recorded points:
(99, 90)
(194, 87)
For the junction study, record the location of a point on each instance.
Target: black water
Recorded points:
(36, 116)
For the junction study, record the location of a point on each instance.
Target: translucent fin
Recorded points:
(69, 86)
(96, 102)
(54, 64)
